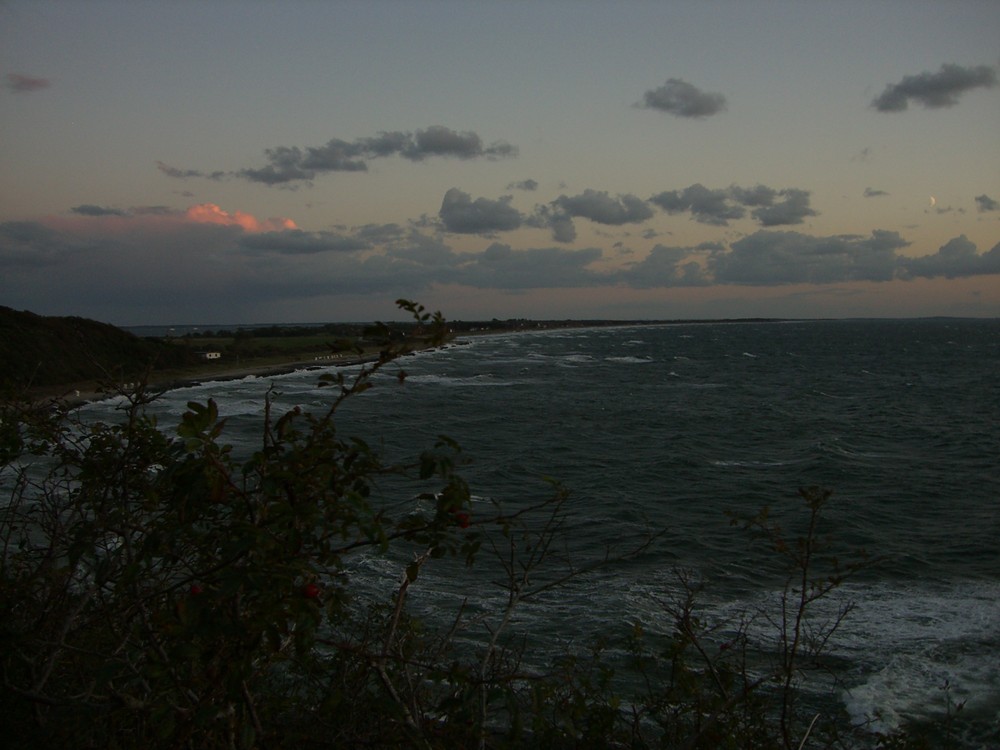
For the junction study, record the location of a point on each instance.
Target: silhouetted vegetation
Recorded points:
(43, 351)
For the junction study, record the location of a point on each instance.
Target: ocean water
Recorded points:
(672, 426)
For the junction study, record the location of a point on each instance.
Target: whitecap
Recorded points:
(480, 380)
(920, 648)
(630, 360)
(749, 464)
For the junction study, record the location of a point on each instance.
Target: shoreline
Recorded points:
(78, 394)
(83, 392)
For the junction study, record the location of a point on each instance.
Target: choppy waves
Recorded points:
(672, 426)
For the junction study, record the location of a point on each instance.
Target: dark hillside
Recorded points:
(46, 351)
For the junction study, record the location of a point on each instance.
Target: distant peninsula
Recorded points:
(66, 356)
(52, 356)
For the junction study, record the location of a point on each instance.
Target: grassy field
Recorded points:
(308, 345)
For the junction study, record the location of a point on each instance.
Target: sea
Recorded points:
(677, 429)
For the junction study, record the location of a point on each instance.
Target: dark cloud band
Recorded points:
(769, 207)
(934, 90)
(292, 165)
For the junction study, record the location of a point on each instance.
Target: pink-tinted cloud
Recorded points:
(22, 84)
(209, 213)
(88, 219)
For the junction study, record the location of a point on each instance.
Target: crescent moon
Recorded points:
(933, 200)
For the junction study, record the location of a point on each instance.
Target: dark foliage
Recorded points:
(38, 351)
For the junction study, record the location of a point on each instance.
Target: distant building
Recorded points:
(210, 355)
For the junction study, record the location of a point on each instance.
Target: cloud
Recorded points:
(147, 216)
(209, 213)
(524, 185)
(956, 258)
(600, 207)
(792, 210)
(438, 140)
(429, 253)
(718, 207)
(985, 203)
(152, 211)
(175, 266)
(462, 215)
(934, 90)
(596, 205)
(334, 156)
(291, 164)
(151, 218)
(183, 174)
(23, 84)
(666, 267)
(770, 258)
(501, 267)
(88, 209)
(873, 193)
(32, 245)
(555, 219)
(681, 99)
(715, 247)
(284, 166)
(298, 242)
(206, 263)
(380, 233)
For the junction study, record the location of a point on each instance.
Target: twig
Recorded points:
(808, 732)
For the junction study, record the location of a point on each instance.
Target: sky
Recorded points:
(183, 162)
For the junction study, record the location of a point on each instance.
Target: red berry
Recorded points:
(462, 519)
(195, 589)
(311, 591)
